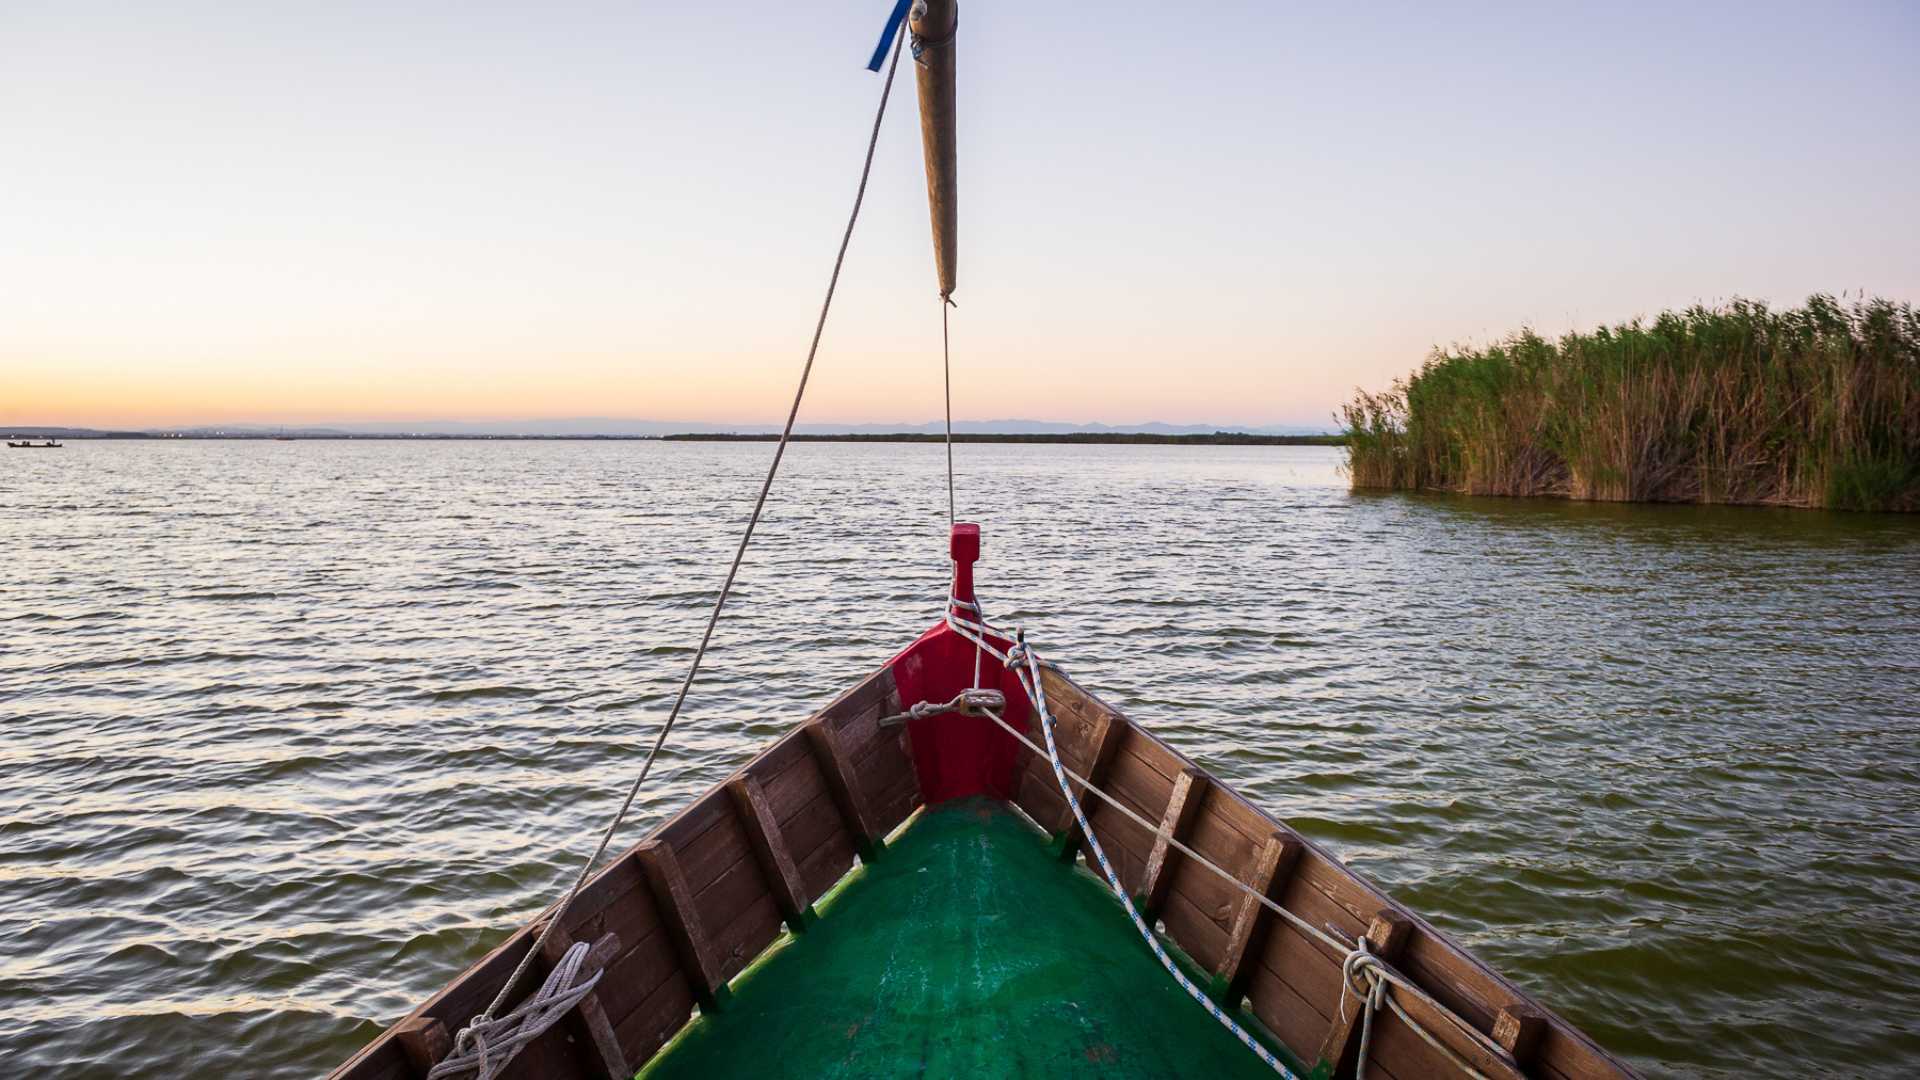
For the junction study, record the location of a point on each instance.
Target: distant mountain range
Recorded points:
(590, 426)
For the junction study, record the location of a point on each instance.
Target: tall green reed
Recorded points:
(1812, 406)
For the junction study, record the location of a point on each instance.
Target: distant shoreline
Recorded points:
(1219, 438)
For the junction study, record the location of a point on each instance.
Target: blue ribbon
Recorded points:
(887, 35)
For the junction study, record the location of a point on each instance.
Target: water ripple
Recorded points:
(295, 731)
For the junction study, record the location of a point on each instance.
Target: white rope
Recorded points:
(495, 1042)
(1362, 972)
(1029, 676)
(946, 370)
(484, 1020)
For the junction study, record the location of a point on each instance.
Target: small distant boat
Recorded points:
(29, 444)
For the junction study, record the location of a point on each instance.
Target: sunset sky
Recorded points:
(1230, 213)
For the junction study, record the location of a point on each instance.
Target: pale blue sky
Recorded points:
(1221, 212)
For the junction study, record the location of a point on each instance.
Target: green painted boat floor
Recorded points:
(966, 949)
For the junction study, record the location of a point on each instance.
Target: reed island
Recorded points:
(1816, 406)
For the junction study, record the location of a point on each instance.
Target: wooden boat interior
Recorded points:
(676, 920)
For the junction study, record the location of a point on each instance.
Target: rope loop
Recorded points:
(487, 1046)
(920, 45)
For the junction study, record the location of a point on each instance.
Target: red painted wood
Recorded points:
(955, 755)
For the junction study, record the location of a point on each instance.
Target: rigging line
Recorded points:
(786, 435)
(946, 369)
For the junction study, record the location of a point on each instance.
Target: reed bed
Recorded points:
(1817, 406)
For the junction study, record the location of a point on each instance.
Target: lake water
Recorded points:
(294, 731)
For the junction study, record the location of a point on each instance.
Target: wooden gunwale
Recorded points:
(1292, 981)
(808, 827)
(731, 912)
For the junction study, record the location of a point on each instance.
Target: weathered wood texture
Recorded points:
(693, 903)
(1290, 982)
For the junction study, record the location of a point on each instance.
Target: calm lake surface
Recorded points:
(294, 731)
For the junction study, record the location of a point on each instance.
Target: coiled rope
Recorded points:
(537, 1014)
(1362, 972)
(495, 1042)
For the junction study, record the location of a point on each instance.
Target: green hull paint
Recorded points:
(968, 951)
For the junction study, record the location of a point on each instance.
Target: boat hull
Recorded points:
(678, 916)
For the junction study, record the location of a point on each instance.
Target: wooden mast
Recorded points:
(933, 23)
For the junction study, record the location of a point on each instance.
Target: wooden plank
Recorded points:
(453, 1005)
(1300, 962)
(1566, 1051)
(1105, 732)
(1320, 912)
(770, 849)
(424, 1041)
(1201, 903)
(788, 775)
(616, 901)
(551, 1055)
(823, 867)
(1189, 788)
(741, 941)
(1200, 932)
(848, 797)
(658, 1017)
(886, 773)
(637, 973)
(895, 801)
(1320, 889)
(675, 901)
(739, 916)
(619, 898)
(1518, 1029)
(1141, 789)
(380, 1060)
(1126, 847)
(873, 691)
(1477, 1001)
(860, 733)
(1038, 796)
(588, 1018)
(713, 845)
(1142, 784)
(1294, 1017)
(1251, 919)
(1411, 1055)
(1387, 934)
(817, 823)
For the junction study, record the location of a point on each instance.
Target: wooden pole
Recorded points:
(933, 23)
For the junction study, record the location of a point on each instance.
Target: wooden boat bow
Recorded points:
(678, 917)
(1288, 941)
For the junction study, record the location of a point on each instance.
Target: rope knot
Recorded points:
(1018, 653)
(486, 1046)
